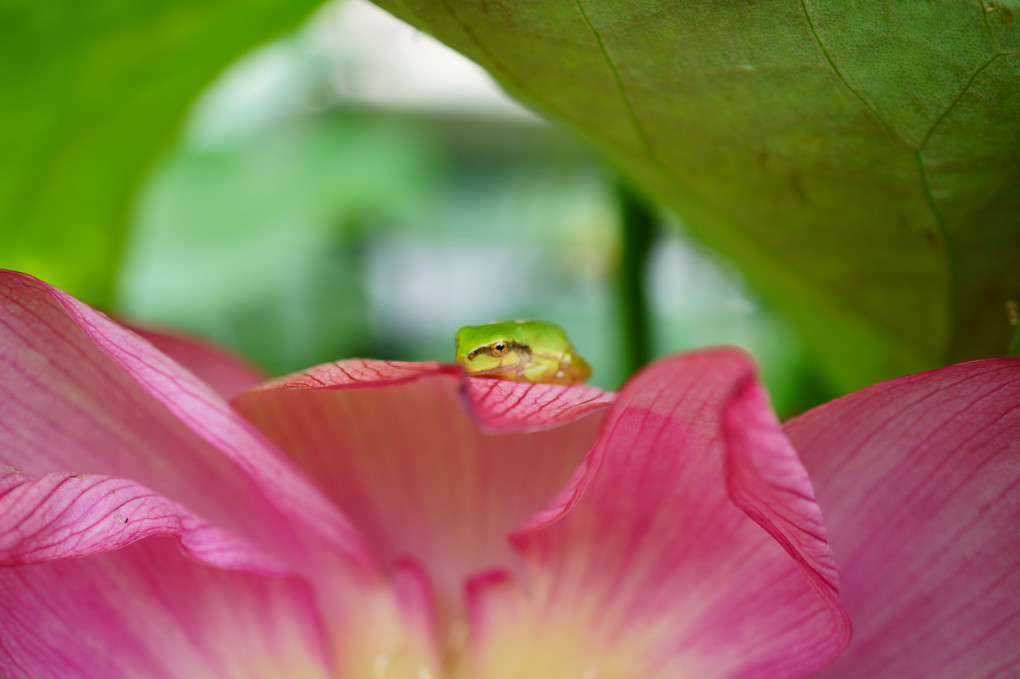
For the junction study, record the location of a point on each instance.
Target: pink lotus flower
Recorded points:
(375, 520)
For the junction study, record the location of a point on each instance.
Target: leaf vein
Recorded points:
(839, 74)
(956, 99)
(628, 106)
(495, 63)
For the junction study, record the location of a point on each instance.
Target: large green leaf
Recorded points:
(860, 161)
(92, 93)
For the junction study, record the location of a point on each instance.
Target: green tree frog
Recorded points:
(522, 351)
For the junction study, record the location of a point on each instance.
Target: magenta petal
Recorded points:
(148, 611)
(502, 405)
(218, 368)
(496, 405)
(688, 544)
(80, 394)
(357, 372)
(395, 448)
(919, 479)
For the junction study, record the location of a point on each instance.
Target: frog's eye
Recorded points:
(499, 348)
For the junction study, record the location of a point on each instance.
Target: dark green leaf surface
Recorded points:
(859, 161)
(92, 93)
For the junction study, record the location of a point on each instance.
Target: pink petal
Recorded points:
(394, 447)
(225, 372)
(371, 621)
(688, 544)
(61, 516)
(80, 394)
(148, 611)
(505, 406)
(355, 373)
(919, 479)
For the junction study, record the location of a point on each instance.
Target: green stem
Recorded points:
(638, 225)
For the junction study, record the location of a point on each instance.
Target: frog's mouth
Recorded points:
(530, 366)
(504, 370)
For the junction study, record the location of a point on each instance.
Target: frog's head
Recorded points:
(492, 349)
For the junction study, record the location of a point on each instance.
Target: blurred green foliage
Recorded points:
(262, 242)
(92, 93)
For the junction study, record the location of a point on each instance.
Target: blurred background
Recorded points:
(354, 188)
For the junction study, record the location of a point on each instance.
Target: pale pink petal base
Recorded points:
(919, 479)
(148, 611)
(383, 627)
(394, 446)
(688, 544)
